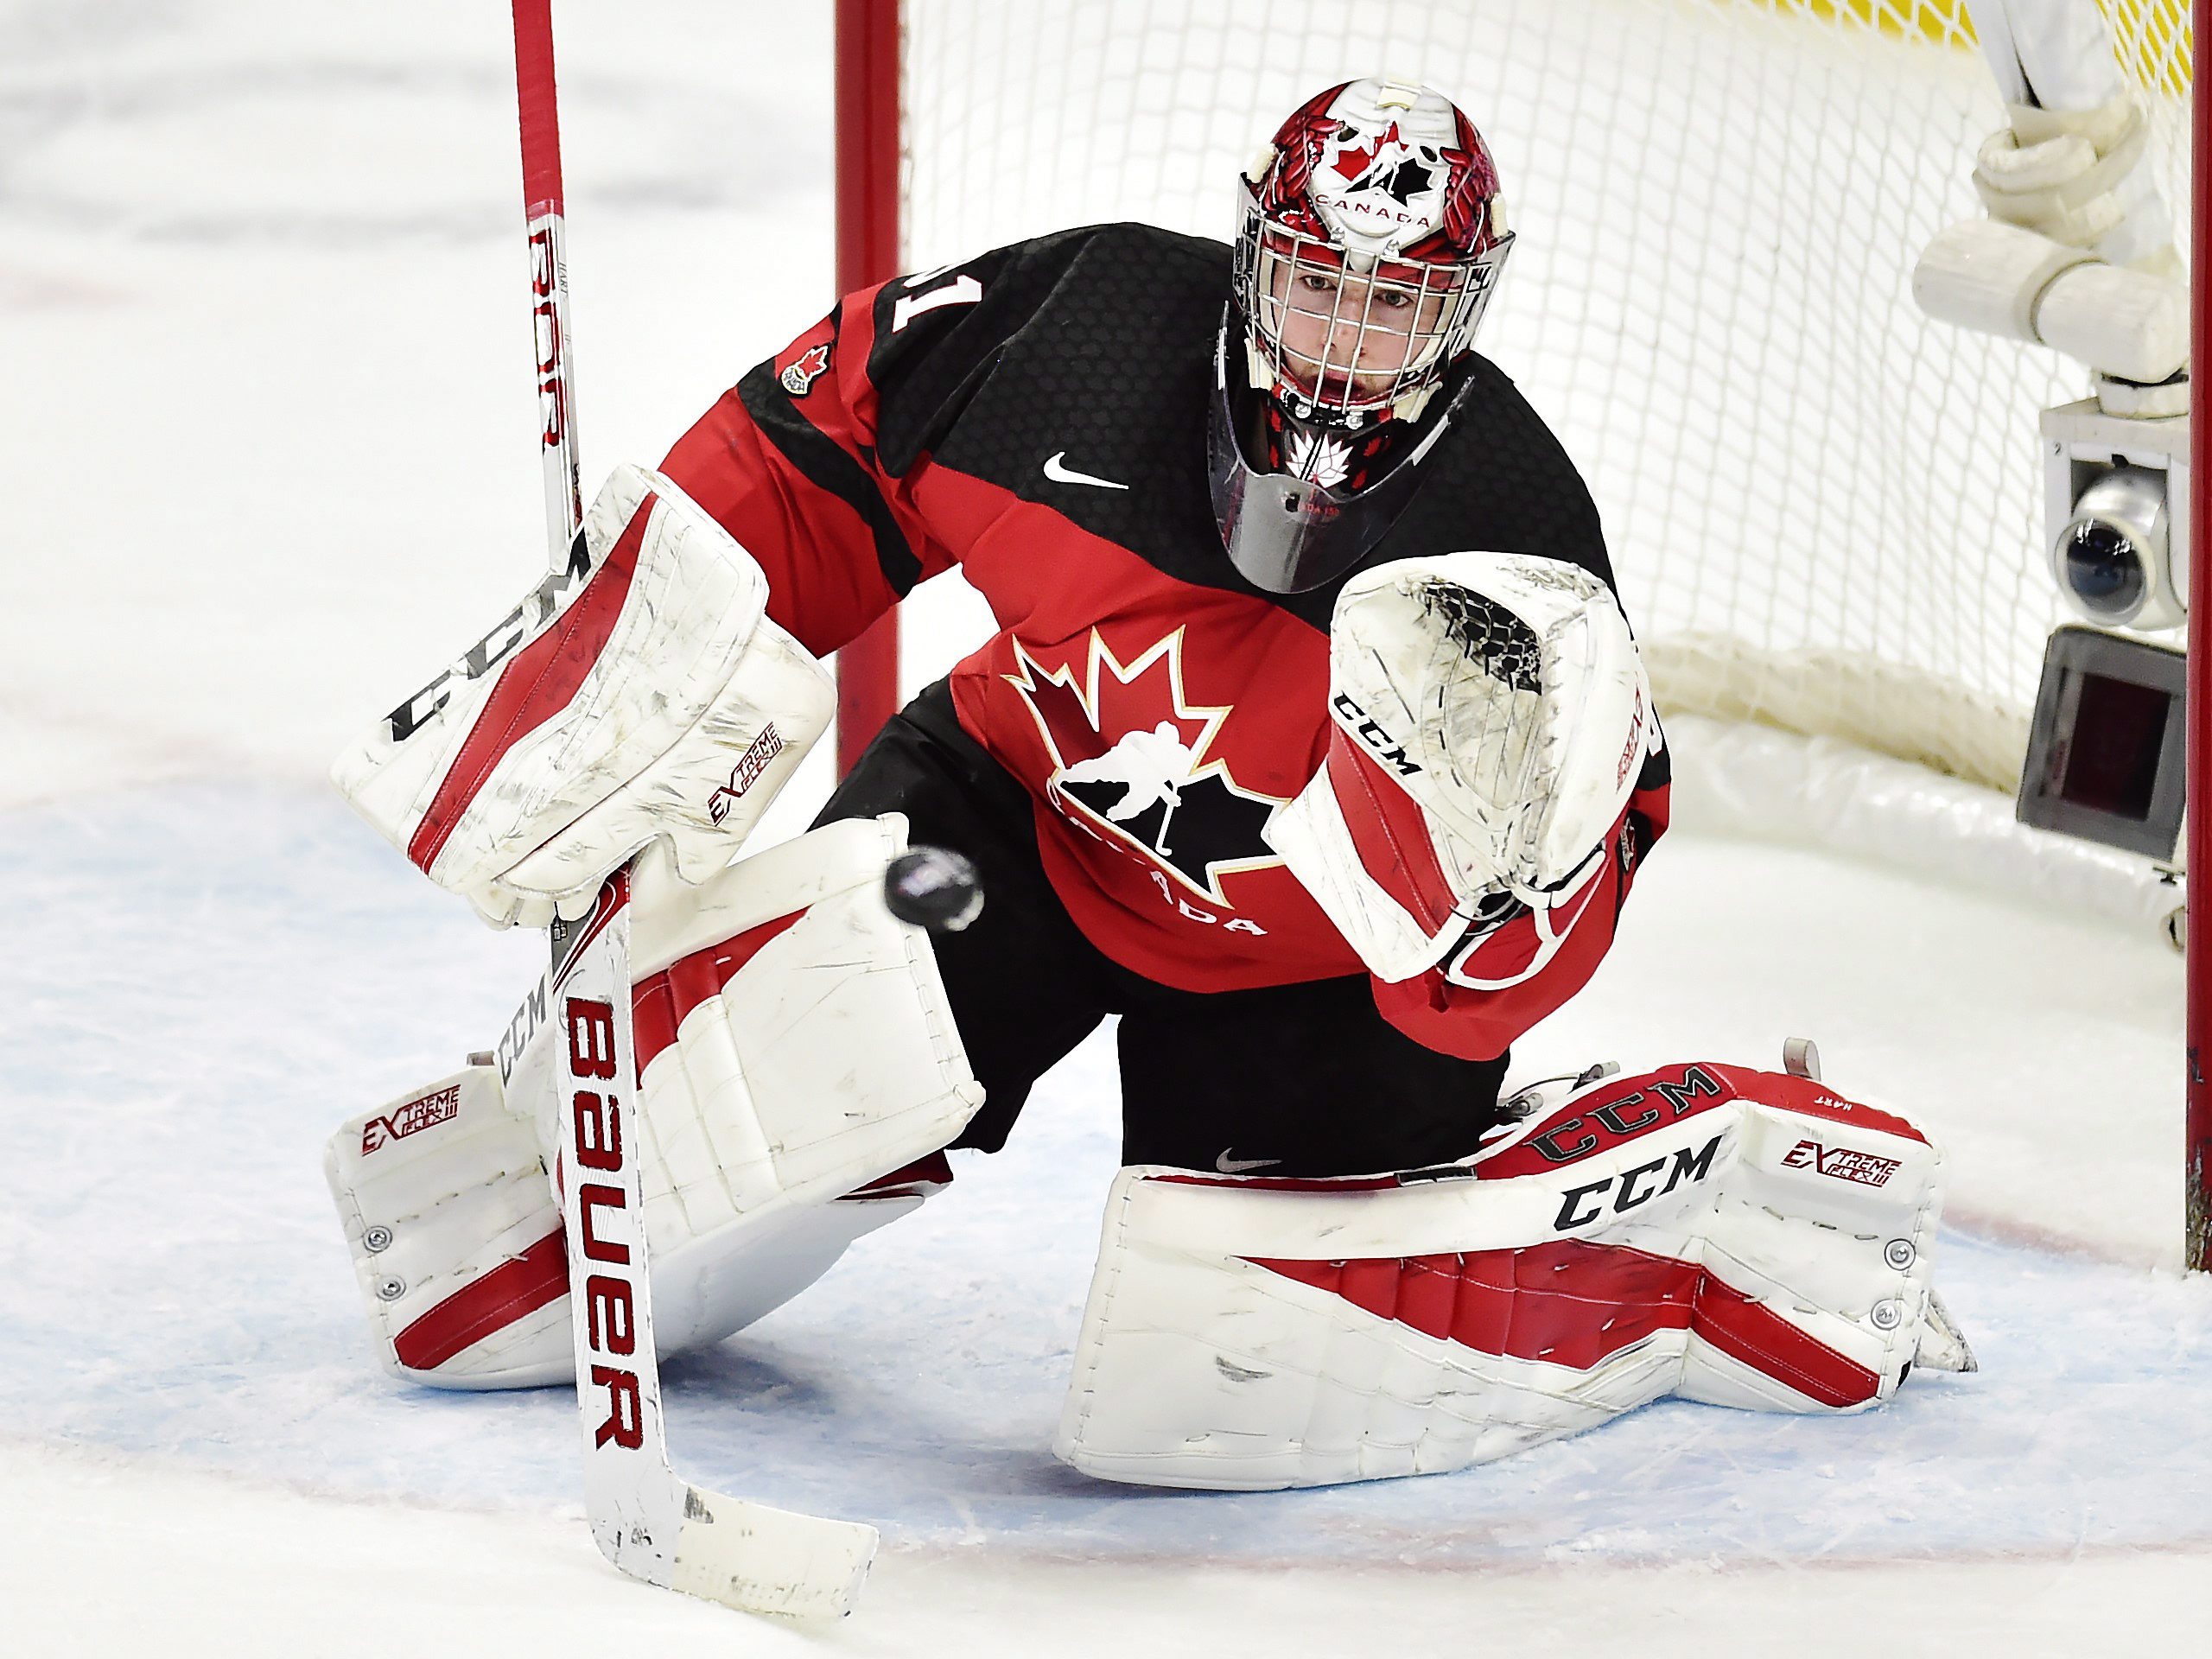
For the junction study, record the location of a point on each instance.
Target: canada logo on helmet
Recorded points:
(1371, 238)
(1388, 163)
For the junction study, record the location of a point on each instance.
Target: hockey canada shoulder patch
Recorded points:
(799, 379)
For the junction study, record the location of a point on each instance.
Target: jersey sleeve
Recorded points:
(811, 460)
(1481, 1025)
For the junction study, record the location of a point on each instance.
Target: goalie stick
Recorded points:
(651, 1524)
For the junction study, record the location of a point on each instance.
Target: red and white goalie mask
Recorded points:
(1371, 239)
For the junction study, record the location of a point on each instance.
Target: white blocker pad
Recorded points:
(801, 1072)
(642, 692)
(1489, 717)
(1710, 1231)
(794, 1046)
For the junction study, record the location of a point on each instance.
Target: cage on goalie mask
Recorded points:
(1346, 339)
(1369, 240)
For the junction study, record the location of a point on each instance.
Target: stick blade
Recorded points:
(762, 1560)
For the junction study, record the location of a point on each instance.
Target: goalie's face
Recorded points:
(1349, 338)
(1342, 338)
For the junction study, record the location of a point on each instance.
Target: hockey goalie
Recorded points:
(1311, 743)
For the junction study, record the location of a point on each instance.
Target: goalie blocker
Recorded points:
(640, 694)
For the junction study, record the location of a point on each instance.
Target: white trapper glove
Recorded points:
(642, 693)
(1490, 717)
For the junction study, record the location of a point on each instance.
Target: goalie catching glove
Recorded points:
(641, 692)
(1489, 718)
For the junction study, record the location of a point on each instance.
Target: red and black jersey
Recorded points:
(1038, 416)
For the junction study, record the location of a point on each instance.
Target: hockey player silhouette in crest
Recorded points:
(1144, 786)
(1150, 768)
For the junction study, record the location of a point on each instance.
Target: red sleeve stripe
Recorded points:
(660, 1003)
(831, 467)
(1388, 833)
(1577, 1304)
(538, 684)
(519, 1285)
(857, 334)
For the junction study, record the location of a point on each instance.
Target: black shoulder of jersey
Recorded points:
(1073, 325)
(1093, 349)
(1498, 482)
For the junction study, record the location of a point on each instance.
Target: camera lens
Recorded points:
(2104, 569)
(2111, 558)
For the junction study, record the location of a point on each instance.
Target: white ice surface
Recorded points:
(264, 444)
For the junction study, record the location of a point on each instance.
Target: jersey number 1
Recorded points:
(961, 290)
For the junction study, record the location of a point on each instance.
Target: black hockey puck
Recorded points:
(934, 887)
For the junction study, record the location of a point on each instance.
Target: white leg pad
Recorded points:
(794, 1042)
(1722, 1234)
(799, 1069)
(455, 1238)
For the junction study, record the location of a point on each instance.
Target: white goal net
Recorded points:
(1823, 509)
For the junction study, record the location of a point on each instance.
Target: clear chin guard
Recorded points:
(1284, 533)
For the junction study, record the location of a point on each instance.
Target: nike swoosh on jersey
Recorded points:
(1229, 1166)
(1060, 475)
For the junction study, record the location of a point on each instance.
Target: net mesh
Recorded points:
(1824, 510)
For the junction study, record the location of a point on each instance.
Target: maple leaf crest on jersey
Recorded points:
(1128, 751)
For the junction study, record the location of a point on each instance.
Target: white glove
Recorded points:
(2063, 174)
(651, 698)
(2076, 252)
(1490, 717)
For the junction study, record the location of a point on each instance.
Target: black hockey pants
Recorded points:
(1306, 1079)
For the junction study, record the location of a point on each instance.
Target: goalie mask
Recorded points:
(1371, 239)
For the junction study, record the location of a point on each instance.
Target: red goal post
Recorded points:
(1826, 509)
(2197, 1131)
(867, 252)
